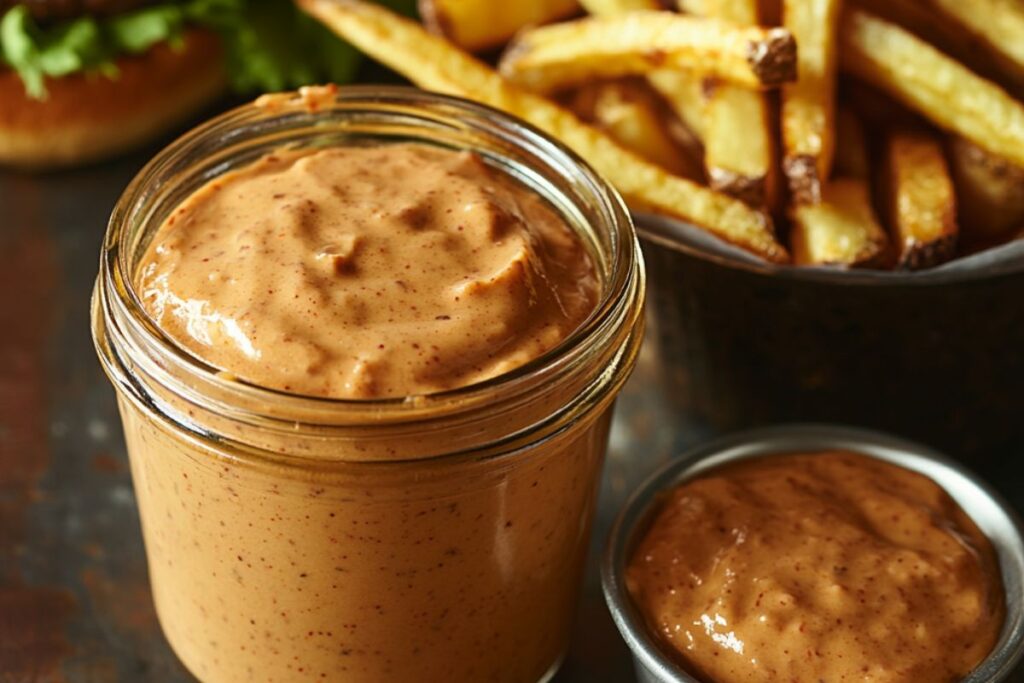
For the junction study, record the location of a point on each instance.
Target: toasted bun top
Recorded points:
(87, 116)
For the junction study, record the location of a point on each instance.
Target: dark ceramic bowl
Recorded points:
(936, 356)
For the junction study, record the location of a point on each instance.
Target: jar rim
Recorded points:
(115, 288)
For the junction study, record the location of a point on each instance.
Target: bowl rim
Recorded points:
(996, 518)
(657, 229)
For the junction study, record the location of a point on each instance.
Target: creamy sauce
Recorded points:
(367, 272)
(819, 567)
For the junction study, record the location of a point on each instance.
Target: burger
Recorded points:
(81, 80)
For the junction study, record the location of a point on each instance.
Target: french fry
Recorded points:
(921, 18)
(768, 11)
(435, 64)
(743, 12)
(920, 200)
(687, 105)
(481, 24)
(997, 24)
(841, 230)
(633, 117)
(851, 158)
(739, 153)
(603, 7)
(808, 106)
(928, 81)
(553, 57)
(990, 192)
(925, 20)
(700, 8)
(684, 91)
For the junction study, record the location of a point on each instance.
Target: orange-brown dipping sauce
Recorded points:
(361, 273)
(830, 567)
(367, 272)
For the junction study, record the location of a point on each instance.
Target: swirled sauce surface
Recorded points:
(367, 272)
(830, 567)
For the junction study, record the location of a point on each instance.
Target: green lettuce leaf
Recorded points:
(136, 32)
(34, 54)
(269, 44)
(275, 47)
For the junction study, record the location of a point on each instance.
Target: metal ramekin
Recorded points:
(993, 516)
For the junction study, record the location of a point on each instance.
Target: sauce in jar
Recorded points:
(367, 272)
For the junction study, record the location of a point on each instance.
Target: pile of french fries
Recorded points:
(844, 133)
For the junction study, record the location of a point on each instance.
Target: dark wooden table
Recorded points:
(74, 596)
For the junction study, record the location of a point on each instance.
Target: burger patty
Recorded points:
(49, 10)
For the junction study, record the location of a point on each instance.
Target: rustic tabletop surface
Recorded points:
(74, 596)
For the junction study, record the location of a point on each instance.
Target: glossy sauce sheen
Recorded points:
(819, 567)
(367, 272)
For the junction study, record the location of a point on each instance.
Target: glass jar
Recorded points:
(432, 538)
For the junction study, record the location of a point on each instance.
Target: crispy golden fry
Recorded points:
(634, 117)
(743, 12)
(697, 7)
(997, 24)
(482, 24)
(552, 57)
(684, 91)
(990, 192)
(851, 158)
(841, 230)
(618, 6)
(686, 127)
(920, 200)
(924, 19)
(766, 12)
(928, 81)
(436, 64)
(808, 106)
(739, 153)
